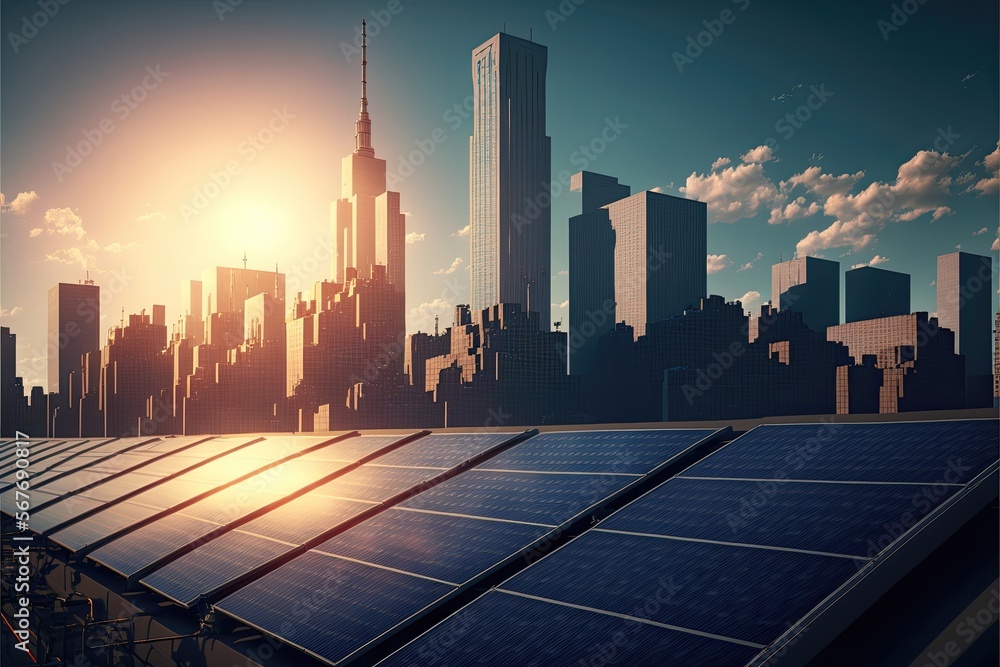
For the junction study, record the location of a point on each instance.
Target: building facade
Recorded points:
(964, 305)
(870, 292)
(810, 286)
(509, 178)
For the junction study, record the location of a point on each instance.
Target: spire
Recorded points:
(363, 126)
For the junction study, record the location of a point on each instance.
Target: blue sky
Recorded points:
(894, 161)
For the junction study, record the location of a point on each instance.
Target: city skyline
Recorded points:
(52, 223)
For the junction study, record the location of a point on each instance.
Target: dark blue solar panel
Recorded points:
(450, 548)
(212, 565)
(330, 606)
(100, 525)
(636, 451)
(377, 483)
(928, 452)
(504, 629)
(354, 448)
(519, 496)
(304, 517)
(837, 518)
(59, 512)
(744, 593)
(135, 550)
(443, 451)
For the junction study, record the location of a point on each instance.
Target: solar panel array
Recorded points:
(714, 566)
(585, 547)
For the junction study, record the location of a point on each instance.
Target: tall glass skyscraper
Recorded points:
(509, 178)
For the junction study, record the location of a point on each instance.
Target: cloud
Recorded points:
(414, 237)
(37, 231)
(969, 76)
(823, 185)
(749, 300)
(797, 208)
(62, 221)
(980, 232)
(721, 162)
(877, 259)
(933, 283)
(564, 304)
(454, 267)
(964, 178)
(921, 186)
(996, 244)
(73, 256)
(22, 202)
(991, 184)
(116, 247)
(151, 218)
(716, 263)
(13, 312)
(758, 155)
(422, 317)
(734, 193)
(464, 231)
(564, 272)
(749, 265)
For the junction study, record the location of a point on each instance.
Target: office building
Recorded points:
(964, 305)
(644, 254)
(510, 171)
(74, 324)
(870, 292)
(368, 227)
(810, 286)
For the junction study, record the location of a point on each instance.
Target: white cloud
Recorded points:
(990, 184)
(996, 244)
(564, 272)
(64, 221)
(414, 237)
(151, 218)
(758, 155)
(921, 186)
(464, 231)
(878, 259)
(749, 300)
(564, 304)
(716, 263)
(422, 317)
(73, 256)
(814, 181)
(116, 247)
(13, 312)
(454, 267)
(734, 193)
(721, 162)
(797, 208)
(37, 231)
(745, 267)
(22, 202)
(980, 232)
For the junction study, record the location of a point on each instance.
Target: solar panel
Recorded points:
(337, 604)
(886, 452)
(835, 517)
(443, 451)
(519, 496)
(744, 553)
(630, 451)
(450, 548)
(454, 533)
(504, 629)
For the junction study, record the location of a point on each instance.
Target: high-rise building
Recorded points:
(509, 178)
(225, 289)
(964, 305)
(870, 293)
(74, 324)
(810, 286)
(368, 227)
(11, 391)
(996, 356)
(644, 254)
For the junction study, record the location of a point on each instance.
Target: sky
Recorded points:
(145, 142)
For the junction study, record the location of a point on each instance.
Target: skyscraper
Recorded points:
(368, 227)
(870, 293)
(509, 178)
(810, 286)
(74, 324)
(644, 254)
(964, 305)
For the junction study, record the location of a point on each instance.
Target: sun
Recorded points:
(259, 229)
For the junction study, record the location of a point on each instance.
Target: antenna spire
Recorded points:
(363, 126)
